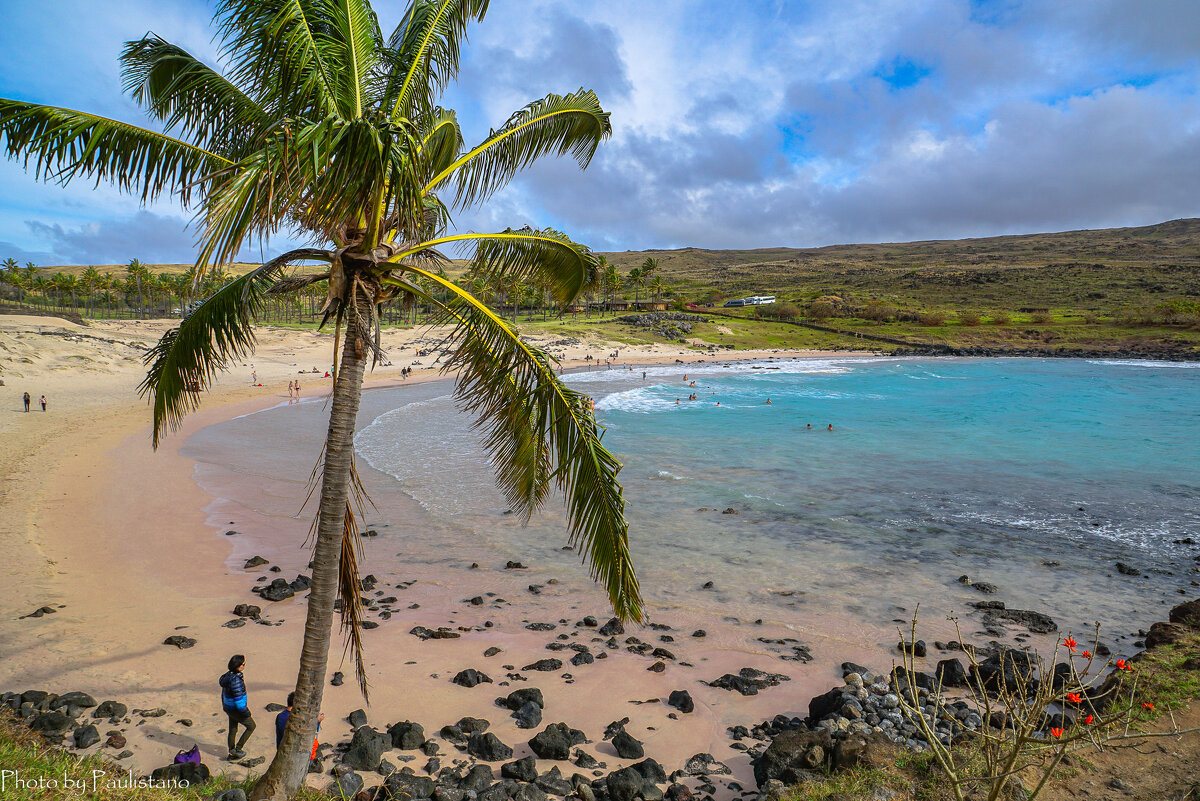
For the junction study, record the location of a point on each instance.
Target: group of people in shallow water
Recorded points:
(237, 710)
(696, 396)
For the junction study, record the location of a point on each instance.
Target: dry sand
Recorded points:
(113, 534)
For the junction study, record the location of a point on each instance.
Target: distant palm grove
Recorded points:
(136, 291)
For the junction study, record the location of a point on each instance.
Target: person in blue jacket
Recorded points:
(233, 701)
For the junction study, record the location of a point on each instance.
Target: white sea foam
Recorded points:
(795, 366)
(1145, 363)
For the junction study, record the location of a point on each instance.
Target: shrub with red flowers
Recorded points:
(1033, 710)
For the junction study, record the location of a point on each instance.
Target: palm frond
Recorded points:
(277, 50)
(191, 97)
(442, 143)
(423, 53)
(62, 144)
(184, 361)
(572, 124)
(547, 255)
(353, 43)
(539, 432)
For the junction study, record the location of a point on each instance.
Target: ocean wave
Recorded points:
(1144, 363)
(779, 366)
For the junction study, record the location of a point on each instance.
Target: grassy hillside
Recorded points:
(1082, 270)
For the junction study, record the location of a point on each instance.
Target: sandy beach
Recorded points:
(116, 538)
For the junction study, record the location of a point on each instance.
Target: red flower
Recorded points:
(1087, 654)
(1088, 720)
(1070, 643)
(1148, 705)
(1056, 732)
(1074, 698)
(1121, 665)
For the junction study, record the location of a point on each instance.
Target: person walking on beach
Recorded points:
(291, 389)
(297, 389)
(43, 403)
(233, 702)
(281, 723)
(26, 401)
(253, 378)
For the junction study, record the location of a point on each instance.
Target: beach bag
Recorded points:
(188, 756)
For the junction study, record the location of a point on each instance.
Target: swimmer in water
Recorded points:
(768, 400)
(808, 427)
(677, 401)
(830, 427)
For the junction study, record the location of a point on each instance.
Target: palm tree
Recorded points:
(10, 273)
(612, 283)
(135, 274)
(637, 281)
(326, 127)
(657, 286)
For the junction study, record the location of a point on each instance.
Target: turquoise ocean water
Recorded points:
(1037, 475)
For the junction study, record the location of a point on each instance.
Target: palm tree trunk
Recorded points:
(287, 770)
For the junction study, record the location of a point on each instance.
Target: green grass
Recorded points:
(31, 758)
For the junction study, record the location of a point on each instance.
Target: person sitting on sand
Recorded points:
(281, 723)
(233, 702)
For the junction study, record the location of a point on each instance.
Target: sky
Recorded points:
(746, 124)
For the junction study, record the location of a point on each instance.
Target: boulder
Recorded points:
(366, 749)
(951, 673)
(110, 709)
(78, 699)
(555, 741)
(748, 681)
(651, 771)
(523, 770)
(86, 735)
(409, 785)
(625, 785)
(529, 716)
(52, 724)
(1166, 634)
(477, 779)
(705, 765)
(793, 756)
(1187, 614)
(247, 610)
(612, 628)
(194, 773)
(470, 678)
(232, 794)
(487, 746)
(471, 725)
(179, 641)
(627, 746)
(277, 590)
(545, 665)
(518, 698)
(582, 658)
(681, 700)
(825, 704)
(406, 735)
(348, 785)
(553, 782)
(358, 718)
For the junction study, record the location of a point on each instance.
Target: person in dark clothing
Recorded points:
(233, 702)
(281, 723)
(26, 399)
